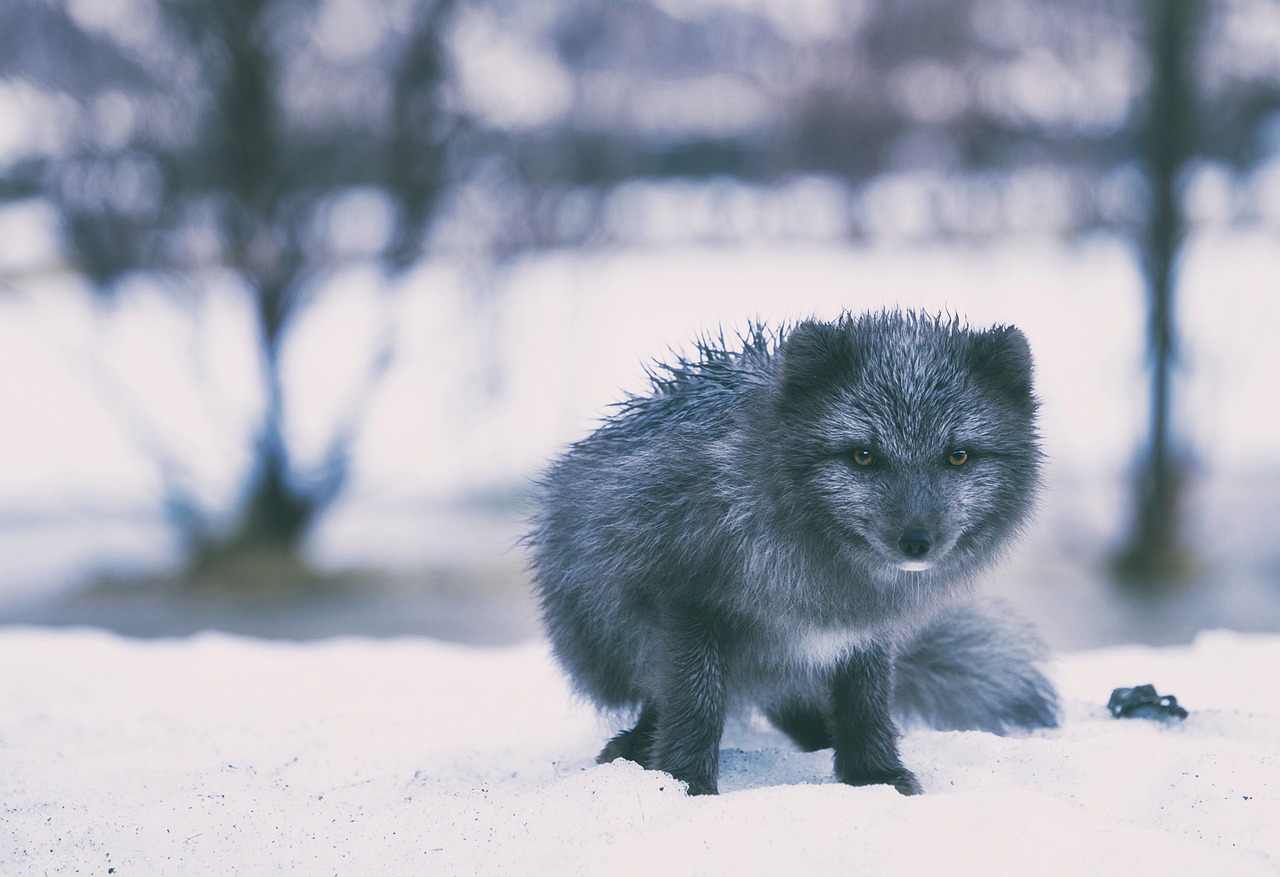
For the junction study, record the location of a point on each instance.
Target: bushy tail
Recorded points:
(975, 668)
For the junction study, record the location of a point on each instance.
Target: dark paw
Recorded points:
(613, 751)
(907, 784)
(633, 745)
(701, 786)
(901, 779)
(624, 748)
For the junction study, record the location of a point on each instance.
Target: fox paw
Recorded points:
(901, 779)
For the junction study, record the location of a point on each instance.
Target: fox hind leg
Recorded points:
(805, 723)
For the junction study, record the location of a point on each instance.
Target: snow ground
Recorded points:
(216, 754)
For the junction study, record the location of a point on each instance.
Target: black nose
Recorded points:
(915, 544)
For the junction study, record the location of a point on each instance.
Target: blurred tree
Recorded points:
(962, 90)
(243, 122)
(1156, 552)
(42, 44)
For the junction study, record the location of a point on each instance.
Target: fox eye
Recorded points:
(862, 457)
(958, 457)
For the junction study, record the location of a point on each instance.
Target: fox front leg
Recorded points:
(863, 734)
(690, 703)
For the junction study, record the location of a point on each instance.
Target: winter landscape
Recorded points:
(297, 300)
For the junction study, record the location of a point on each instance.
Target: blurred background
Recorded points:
(298, 296)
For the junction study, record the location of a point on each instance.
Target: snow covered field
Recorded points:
(218, 755)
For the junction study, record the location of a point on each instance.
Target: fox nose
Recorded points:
(915, 544)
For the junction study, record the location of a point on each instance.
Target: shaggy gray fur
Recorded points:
(786, 523)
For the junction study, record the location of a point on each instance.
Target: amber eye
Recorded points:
(958, 457)
(863, 457)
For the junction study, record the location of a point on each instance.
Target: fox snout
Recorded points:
(915, 544)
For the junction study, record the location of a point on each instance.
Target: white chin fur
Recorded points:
(914, 565)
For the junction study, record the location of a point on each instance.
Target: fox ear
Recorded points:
(815, 356)
(1002, 357)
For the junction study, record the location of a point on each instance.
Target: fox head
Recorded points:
(908, 439)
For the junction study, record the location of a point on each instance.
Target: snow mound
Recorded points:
(222, 755)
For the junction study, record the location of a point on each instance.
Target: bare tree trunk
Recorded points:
(275, 516)
(421, 128)
(1156, 553)
(264, 248)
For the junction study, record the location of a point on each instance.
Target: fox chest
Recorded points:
(806, 649)
(822, 647)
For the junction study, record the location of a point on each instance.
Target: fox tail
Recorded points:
(975, 668)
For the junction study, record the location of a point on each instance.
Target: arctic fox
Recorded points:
(795, 524)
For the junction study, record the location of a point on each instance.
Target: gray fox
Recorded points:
(795, 524)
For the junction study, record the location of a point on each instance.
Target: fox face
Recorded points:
(914, 512)
(911, 440)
